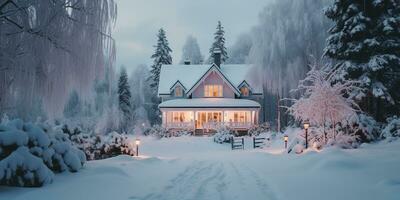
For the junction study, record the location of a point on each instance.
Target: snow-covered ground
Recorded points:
(196, 168)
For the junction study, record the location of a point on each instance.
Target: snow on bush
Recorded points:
(223, 134)
(157, 131)
(325, 105)
(21, 168)
(392, 128)
(259, 128)
(100, 146)
(24, 145)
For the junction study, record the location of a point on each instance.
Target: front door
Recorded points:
(207, 117)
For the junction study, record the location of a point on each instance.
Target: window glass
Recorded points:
(178, 91)
(213, 91)
(245, 91)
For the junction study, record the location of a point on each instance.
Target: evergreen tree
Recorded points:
(219, 42)
(161, 56)
(191, 51)
(124, 97)
(73, 107)
(365, 39)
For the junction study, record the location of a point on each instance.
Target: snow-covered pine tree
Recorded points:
(191, 51)
(124, 97)
(73, 107)
(219, 42)
(365, 39)
(161, 56)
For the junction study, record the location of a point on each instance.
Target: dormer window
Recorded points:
(244, 91)
(178, 91)
(213, 91)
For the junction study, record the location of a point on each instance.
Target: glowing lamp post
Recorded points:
(285, 138)
(306, 125)
(137, 142)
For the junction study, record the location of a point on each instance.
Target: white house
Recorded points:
(203, 97)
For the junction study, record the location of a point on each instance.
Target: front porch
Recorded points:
(209, 119)
(209, 114)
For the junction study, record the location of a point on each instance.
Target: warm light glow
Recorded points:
(213, 90)
(306, 125)
(178, 91)
(286, 138)
(244, 91)
(137, 142)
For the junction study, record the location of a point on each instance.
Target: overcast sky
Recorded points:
(139, 20)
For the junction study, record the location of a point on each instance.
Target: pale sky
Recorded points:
(139, 20)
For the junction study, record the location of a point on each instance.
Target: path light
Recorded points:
(306, 125)
(285, 138)
(137, 142)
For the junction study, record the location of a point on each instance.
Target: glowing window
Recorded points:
(213, 91)
(178, 91)
(244, 91)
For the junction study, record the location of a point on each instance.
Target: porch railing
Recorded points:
(215, 125)
(180, 125)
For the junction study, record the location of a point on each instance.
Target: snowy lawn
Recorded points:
(197, 168)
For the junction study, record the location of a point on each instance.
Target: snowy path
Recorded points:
(198, 169)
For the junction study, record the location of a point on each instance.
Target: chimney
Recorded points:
(217, 57)
(186, 62)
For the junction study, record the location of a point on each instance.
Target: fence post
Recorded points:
(254, 142)
(243, 143)
(232, 143)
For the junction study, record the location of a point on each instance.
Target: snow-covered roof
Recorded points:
(188, 75)
(210, 103)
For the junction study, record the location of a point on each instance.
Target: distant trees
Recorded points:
(48, 48)
(141, 97)
(365, 41)
(239, 52)
(219, 43)
(287, 34)
(124, 100)
(73, 107)
(191, 51)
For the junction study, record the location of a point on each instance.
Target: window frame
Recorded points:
(180, 89)
(213, 90)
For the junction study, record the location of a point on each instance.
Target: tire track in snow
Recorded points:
(196, 181)
(261, 184)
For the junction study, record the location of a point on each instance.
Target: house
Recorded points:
(203, 97)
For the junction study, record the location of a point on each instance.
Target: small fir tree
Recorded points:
(124, 97)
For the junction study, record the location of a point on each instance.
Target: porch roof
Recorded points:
(210, 103)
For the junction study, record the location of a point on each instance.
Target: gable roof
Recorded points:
(175, 84)
(216, 69)
(189, 75)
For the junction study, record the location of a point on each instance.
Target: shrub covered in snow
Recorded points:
(29, 152)
(100, 146)
(157, 131)
(223, 134)
(259, 128)
(392, 128)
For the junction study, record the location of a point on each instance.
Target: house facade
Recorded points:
(204, 97)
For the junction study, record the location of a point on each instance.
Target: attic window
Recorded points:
(178, 91)
(244, 91)
(213, 90)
